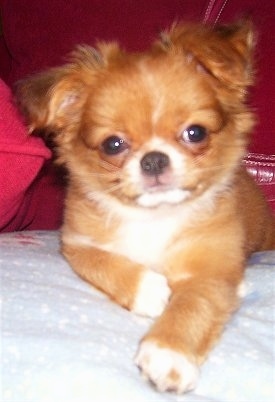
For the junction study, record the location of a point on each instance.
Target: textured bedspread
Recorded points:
(63, 341)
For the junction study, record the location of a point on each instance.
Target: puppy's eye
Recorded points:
(114, 145)
(193, 134)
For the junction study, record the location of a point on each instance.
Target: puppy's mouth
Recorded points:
(157, 183)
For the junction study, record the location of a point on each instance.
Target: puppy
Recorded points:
(160, 214)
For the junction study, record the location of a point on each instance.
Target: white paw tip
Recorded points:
(242, 289)
(152, 295)
(167, 369)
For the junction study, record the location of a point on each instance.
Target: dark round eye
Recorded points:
(194, 133)
(114, 145)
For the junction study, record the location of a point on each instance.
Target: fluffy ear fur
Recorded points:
(48, 98)
(54, 99)
(224, 52)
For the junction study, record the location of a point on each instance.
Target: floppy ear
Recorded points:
(224, 52)
(237, 53)
(48, 99)
(54, 99)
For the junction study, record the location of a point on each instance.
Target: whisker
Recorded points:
(109, 190)
(104, 164)
(109, 166)
(102, 175)
(208, 168)
(96, 174)
(114, 188)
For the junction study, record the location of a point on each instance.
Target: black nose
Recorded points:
(154, 163)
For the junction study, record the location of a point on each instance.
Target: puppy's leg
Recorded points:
(131, 285)
(179, 341)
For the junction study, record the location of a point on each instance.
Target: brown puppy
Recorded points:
(160, 214)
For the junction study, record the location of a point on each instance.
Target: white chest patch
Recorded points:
(148, 235)
(145, 240)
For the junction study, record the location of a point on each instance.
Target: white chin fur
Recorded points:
(154, 199)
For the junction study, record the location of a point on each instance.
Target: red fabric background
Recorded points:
(38, 34)
(21, 158)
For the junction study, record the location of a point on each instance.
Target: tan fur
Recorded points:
(117, 225)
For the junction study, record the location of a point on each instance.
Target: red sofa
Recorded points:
(38, 34)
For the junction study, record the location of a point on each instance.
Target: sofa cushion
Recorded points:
(262, 169)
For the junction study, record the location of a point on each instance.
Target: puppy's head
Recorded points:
(154, 128)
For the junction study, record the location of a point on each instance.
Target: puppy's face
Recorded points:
(152, 129)
(149, 129)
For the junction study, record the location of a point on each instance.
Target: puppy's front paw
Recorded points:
(167, 369)
(152, 295)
